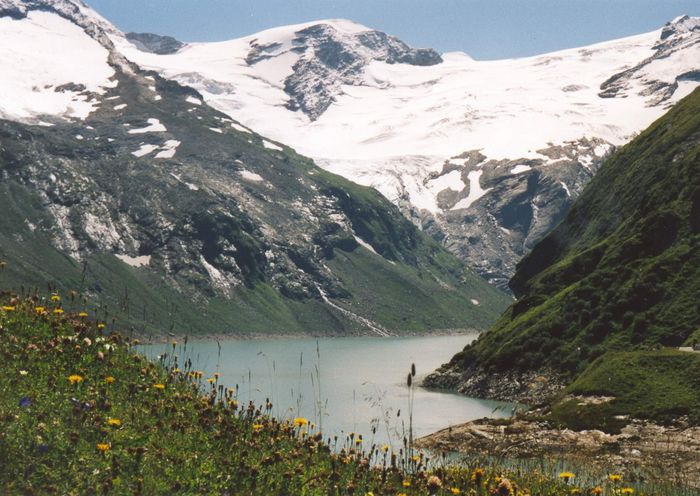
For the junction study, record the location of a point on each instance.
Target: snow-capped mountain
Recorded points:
(485, 155)
(169, 214)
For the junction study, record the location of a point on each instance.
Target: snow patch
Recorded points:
(168, 149)
(240, 128)
(566, 188)
(121, 106)
(271, 146)
(154, 126)
(452, 180)
(216, 130)
(250, 176)
(144, 150)
(365, 244)
(193, 100)
(520, 168)
(475, 191)
(601, 150)
(475, 302)
(43, 53)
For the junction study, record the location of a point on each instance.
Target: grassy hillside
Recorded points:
(655, 385)
(82, 413)
(621, 272)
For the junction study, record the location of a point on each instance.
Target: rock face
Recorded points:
(153, 43)
(534, 387)
(493, 212)
(172, 215)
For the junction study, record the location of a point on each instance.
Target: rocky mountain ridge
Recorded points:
(171, 215)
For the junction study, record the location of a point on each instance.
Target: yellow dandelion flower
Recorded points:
(478, 476)
(566, 475)
(109, 379)
(114, 422)
(211, 380)
(58, 311)
(615, 477)
(75, 379)
(406, 483)
(627, 490)
(55, 297)
(300, 422)
(176, 370)
(8, 308)
(101, 326)
(83, 315)
(455, 490)
(102, 447)
(159, 386)
(385, 448)
(258, 427)
(40, 310)
(597, 490)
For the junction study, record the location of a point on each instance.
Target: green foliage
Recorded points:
(622, 271)
(655, 385)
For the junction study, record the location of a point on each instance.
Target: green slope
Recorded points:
(621, 272)
(655, 385)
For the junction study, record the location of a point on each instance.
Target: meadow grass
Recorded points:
(82, 413)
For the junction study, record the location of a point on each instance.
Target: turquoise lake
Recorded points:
(344, 385)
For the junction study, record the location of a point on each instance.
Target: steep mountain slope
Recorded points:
(621, 272)
(533, 131)
(167, 214)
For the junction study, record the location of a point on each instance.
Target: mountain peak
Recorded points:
(680, 25)
(329, 54)
(154, 43)
(76, 11)
(341, 25)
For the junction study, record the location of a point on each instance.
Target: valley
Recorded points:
(317, 260)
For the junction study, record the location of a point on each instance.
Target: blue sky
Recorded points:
(485, 29)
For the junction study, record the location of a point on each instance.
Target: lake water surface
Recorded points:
(362, 381)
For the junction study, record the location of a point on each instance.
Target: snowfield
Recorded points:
(422, 115)
(39, 55)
